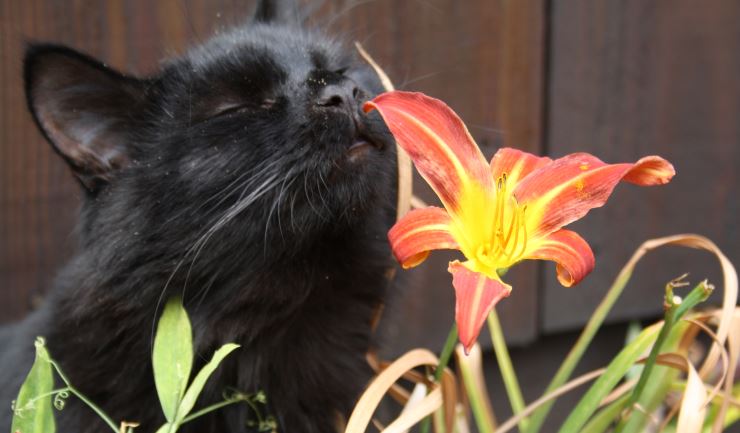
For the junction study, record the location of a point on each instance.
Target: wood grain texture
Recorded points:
(38, 196)
(484, 58)
(633, 78)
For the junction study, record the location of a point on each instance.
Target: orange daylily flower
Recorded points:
(496, 214)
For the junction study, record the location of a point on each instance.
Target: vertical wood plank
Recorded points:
(634, 78)
(485, 59)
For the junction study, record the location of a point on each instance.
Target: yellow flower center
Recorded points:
(495, 236)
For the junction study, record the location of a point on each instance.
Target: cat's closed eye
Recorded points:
(229, 107)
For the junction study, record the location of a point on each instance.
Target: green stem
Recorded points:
(579, 348)
(601, 421)
(209, 409)
(511, 383)
(676, 308)
(444, 359)
(481, 412)
(84, 399)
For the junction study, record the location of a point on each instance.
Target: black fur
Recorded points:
(227, 179)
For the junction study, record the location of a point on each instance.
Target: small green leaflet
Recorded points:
(172, 357)
(200, 380)
(32, 411)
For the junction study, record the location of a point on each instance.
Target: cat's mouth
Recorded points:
(361, 147)
(365, 142)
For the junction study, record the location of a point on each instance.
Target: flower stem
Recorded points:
(444, 359)
(511, 383)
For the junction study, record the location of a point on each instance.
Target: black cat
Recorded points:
(244, 178)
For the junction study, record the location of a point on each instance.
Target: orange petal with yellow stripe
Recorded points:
(475, 296)
(565, 190)
(516, 164)
(570, 251)
(437, 141)
(418, 232)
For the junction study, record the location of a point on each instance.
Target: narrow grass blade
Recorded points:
(659, 383)
(606, 416)
(613, 374)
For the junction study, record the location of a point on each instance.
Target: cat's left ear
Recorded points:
(84, 109)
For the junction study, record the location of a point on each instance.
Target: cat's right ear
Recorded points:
(84, 109)
(278, 12)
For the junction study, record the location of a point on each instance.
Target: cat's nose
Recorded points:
(338, 95)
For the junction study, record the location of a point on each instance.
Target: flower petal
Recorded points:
(437, 141)
(567, 188)
(418, 232)
(476, 295)
(570, 251)
(515, 163)
(649, 171)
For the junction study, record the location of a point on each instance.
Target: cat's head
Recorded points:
(259, 127)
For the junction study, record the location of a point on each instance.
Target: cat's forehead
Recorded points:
(284, 49)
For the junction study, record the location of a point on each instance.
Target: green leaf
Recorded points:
(611, 377)
(606, 417)
(172, 357)
(32, 409)
(164, 429)
(200, 380)
(658, 384)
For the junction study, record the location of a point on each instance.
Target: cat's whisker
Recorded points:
(276, 206)
(228, 217)
(237, 208)
(204, 292)
(223, 220)
(308, 198)
(280, 196)
(420, 78)
(344, 11)
(319, 182)
(292, 209)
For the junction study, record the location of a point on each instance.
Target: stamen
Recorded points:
(512, 224)
(505, 237)
(515, 222)
(498, 214)
(502, 203)
(524, 229)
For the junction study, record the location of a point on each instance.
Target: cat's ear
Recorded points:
(277, 12)
(83, 108)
